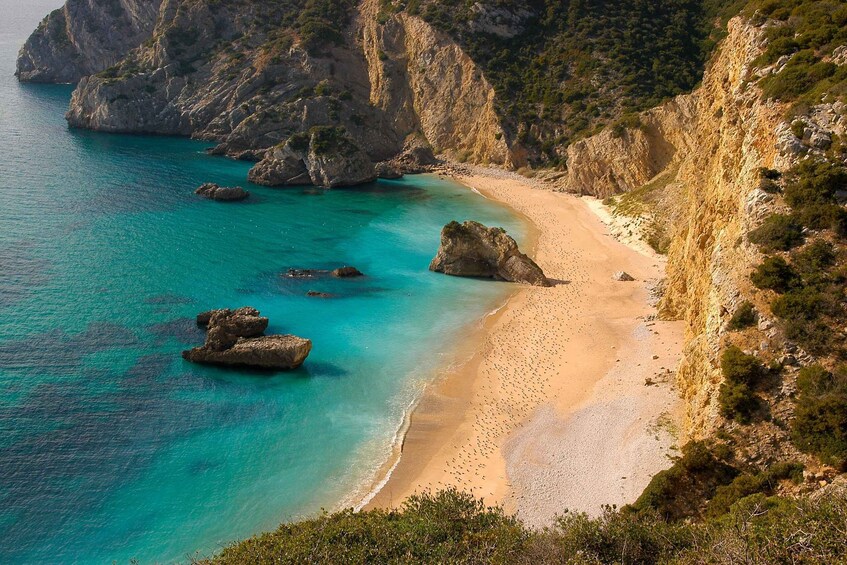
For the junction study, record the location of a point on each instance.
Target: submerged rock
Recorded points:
(302, 273)
(317, 294)
(474, 250)
(222, 193)
(235, 338)
(347, 272)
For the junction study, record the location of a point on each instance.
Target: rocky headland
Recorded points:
(471, 249)
(236, 338)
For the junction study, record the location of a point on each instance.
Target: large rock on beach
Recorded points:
(213, 191)
(474, 250)
(235, 337)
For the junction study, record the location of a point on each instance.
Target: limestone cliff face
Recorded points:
(85, 37)
(716, 139)
(427, 83)
(229, 72)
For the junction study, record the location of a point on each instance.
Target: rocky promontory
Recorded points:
(325, 156)
(235, 337)
(214, 191)
(471, 249)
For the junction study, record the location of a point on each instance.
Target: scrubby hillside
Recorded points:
(453, 528)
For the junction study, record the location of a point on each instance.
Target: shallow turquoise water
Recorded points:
(112, 447)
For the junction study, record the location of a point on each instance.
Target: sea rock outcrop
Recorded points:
(326, 157)
(281, 352)
(471, 249)
(213, 191)
(235, 337)
(347, 273)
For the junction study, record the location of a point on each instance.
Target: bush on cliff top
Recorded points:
(449, 527)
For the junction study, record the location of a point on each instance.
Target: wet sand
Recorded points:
(551, 411)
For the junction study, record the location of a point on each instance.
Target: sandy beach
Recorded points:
(566, 401)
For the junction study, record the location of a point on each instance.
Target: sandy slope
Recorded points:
(552, 411)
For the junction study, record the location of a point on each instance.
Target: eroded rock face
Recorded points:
(213, 191)
(235, 337)
(85, 37)
(325, 157)
(474, 250)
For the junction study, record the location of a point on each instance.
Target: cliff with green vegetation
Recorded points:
(486, 82)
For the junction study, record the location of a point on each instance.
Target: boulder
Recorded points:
(235, 337)
(347, 272)
(243, 322)
(622, 276)
(325, 157)
(388, 170)
(222, 193)
(267, 352)
(474, 250)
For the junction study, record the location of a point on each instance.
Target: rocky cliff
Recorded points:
(242, 74)
(708, 148)
(85, 37)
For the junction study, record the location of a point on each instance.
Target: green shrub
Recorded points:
(743, 317)
(679, 491)
(820, 426)
(814, 380)
(814, 261)
(737, 402)
(778, 232)
(747, 484)
(738, 367)
(775, 274)
(820, 419)
(814, 182)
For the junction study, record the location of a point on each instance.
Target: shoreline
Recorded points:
(533, 371)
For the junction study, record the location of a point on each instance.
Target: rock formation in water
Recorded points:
(474, 250)
(325, 156)
(235, 337)
(347, 273)
(213, 191)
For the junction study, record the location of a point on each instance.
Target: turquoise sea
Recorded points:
(111, 446)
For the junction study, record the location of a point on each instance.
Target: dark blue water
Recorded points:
(111, 446)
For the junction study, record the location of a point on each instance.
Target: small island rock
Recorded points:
(235, 337)
(213, 191)
(474, 250)
(347, 273)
